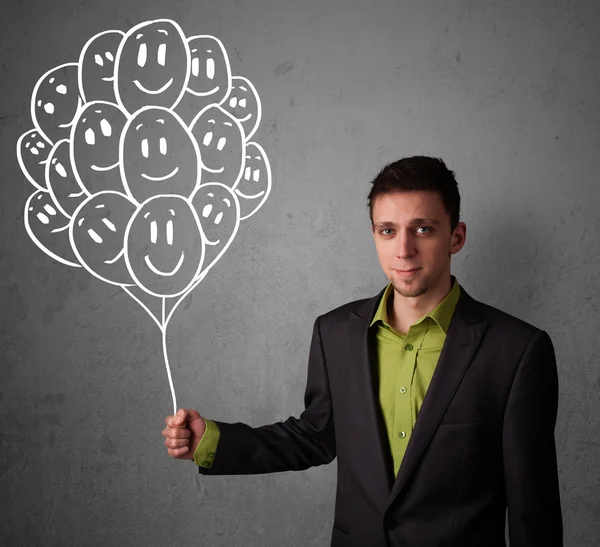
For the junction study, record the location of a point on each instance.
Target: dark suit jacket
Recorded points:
(483, 440)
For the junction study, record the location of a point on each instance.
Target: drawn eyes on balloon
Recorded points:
(32, 154)
(221, 141)
(48, 228)
(97, 66)
(95, 147)
(60, 179)
(254, 186)
(152, 66)
(210, 72)
(243, 103)
(55, 102)
(97, 234)
(164, 246)
(158, 155)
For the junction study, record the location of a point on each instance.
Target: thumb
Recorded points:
(186, 415)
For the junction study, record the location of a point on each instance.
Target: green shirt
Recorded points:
(406, 363)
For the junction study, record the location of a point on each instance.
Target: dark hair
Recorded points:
(418, 173)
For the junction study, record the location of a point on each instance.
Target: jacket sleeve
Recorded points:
(292, 445)
(529, 450)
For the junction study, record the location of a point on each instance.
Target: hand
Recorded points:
(183, 433)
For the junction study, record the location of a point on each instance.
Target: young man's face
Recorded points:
(412, 232)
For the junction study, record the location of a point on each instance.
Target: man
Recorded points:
(439, 408)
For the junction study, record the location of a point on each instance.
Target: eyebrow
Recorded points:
(413, 221)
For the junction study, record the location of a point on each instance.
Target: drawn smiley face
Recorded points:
(152, 66)
(66, 192)
(221, 142)
(95, 146)
(55, 102)
(158, 155)
(254, 186)
(97, 235)
(164, 246)
(48, 228)
(32, 154)
(97, 66)
(244, 105)
(210, 71)
(219, 213)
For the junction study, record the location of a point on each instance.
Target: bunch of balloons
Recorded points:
(142, 160)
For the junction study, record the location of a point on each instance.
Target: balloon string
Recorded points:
(164, 344)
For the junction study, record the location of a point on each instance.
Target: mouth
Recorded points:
(245, 119)
(203, 93)
(247, 196)
(406, 273)
(96, 168)
(149, 91)
(160, 272)
(209, 242)
(111, 79)
(160, 179)
(213, 170)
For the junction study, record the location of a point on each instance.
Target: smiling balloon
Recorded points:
(55, 102)
(66, 192)
(221, 142)
(97, 66)
(164, 247)
(254, 186)
(152, 66)
(158, 155)
(48, 228)
(95, 141)
(244, 105)
(32, 154)
(219, 213)
(97, 235)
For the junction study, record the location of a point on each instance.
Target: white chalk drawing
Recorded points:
(142, 163)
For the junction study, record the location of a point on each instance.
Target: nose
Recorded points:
(405, 244)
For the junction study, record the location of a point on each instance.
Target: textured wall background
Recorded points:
(506, 92)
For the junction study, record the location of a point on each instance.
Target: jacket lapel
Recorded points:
(364, 348)
(464, 335)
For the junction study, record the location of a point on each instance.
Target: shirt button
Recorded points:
(402, 434)
(408, 347)
(403, 390)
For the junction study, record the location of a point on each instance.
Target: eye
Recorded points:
(210, 68)
(142, 55)
(195, 66)
(90, 136)
(162, 54)
(426, 227)
(243, 103)
(98, 60)
(145, 147)
(221, 143)
(233, 102)
(383, 232)
(170, 232)
(207, 138)
(106, 128)
(153, 231)
(163, 146)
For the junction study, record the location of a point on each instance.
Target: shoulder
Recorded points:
(501, 324)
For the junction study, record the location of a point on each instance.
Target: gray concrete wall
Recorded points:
(506, 92)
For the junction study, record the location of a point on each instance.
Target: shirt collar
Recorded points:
(441, 314)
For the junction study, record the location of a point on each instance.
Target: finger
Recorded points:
(181, 416)
(176, 433)
(177, 452)
(176, 443)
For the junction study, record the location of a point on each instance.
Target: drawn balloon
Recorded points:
(141, 163)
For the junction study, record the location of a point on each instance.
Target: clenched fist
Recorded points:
(183, 433)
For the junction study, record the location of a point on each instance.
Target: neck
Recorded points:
(404, 311)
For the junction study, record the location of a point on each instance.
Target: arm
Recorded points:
(529, 451)
(292, 445)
